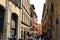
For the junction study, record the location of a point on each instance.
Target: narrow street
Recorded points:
(29, 19)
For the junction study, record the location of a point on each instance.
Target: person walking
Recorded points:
(30, 37)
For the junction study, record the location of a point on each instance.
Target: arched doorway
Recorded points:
(2, 11)
(14, 24)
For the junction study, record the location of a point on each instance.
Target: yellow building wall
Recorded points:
(26, 5)
(13, 9)
(28, 21)
(8, 23)
(3, 2)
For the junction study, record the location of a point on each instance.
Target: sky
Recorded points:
(38, 8)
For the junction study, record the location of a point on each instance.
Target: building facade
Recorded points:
(46, 21)
(11, 19)
(53, 18)
(34, 20)
(25, 21)
(15, 19)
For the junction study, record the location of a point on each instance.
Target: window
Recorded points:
(12, 33)
(30, 23)
(14, 23)
(27, 20)
(16, 2)
(19, 2)
(22, 34)
(13, 29)
(30, 14)
(23, 17)
(52, 7)
(57, 21)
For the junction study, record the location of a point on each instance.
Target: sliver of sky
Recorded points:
(38, 8)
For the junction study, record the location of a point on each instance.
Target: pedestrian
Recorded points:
(30, 37)
(34, 38)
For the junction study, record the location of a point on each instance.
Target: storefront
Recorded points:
(24, 32)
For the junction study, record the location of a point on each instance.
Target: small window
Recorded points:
(57, 21)
(30, 23)
(52, 7)
(22, 34)
(30, 14)
(19, 2)
(23, 17)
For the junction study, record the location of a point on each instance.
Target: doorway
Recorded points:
(2, 11)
